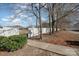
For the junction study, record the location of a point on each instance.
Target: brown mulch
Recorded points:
(63, 36)
(60, 38)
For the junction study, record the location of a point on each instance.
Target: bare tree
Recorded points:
(49, 17)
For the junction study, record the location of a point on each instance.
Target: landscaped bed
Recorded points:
(12, 43)
(62, 37)
(59, 38)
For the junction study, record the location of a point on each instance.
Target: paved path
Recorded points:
(63, 50)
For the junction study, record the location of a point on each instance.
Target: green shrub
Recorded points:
(12, 43)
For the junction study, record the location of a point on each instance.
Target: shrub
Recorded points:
(12, 43)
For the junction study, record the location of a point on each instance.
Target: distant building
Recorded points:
(12, 30)
(21, 29)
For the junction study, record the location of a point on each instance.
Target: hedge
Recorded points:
(12, 43)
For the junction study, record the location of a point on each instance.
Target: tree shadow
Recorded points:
(75, 43)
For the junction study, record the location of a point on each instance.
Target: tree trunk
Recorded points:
(53, 22)
(50, 25)
(40, 23)
(56, 21)
(52, 16)
(36, 23)
(49, 19)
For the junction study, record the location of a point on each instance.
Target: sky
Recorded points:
(6, 13)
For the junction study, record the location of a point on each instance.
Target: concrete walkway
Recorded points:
(63, 50)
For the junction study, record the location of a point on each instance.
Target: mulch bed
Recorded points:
(61, 38)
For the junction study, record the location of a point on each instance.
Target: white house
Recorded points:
(8, 31)
(36, 31)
